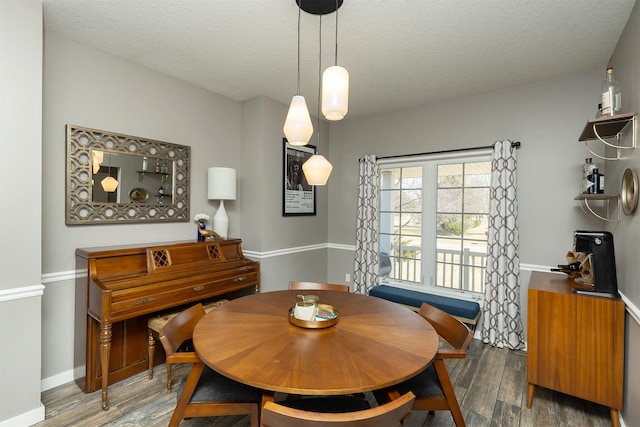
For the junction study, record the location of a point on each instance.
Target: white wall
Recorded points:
(20, 211)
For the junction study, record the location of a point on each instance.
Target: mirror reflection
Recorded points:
(135, 179)
(116, 178)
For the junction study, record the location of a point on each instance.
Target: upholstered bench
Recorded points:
(467, 311)
(155, 325)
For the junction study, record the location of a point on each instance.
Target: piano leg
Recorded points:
(105, 351)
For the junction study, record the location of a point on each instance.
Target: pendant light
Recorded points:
(297, 126)
(317, 169)
(335, 87)
(109, 184)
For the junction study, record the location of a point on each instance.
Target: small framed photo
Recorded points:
(298, 197)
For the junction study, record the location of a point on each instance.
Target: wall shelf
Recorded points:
(606, 199)
(607, 128)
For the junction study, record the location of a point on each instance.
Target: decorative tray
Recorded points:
(326, 316)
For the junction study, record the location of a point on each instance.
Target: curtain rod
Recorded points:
(515, 144)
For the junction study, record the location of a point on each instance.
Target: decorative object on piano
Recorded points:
(210, 235)
(88, 203)
(221, 185)
(200, 219)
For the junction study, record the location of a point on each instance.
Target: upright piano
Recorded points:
(119, 287)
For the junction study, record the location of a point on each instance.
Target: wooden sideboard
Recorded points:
(575, 342)
(119, 287)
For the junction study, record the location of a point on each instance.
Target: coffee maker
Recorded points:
(603, 262)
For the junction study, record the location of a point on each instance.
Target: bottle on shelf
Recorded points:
(598, 182)
(144, 164)
(611, 96)
(587, 171)
(157, 165)
(164, 168)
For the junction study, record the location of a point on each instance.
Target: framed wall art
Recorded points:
(298, 196)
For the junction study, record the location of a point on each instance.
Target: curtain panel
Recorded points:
(367, 244)
(501, 316)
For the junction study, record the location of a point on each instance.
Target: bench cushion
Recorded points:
(468, 310)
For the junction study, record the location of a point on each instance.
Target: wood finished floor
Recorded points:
(490, 384)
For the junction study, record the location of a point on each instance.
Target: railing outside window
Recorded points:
(456, 270)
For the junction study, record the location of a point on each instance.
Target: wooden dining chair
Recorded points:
(204, 392)
(433, 387)
(155, 325)
(318, 286)
(388, 415)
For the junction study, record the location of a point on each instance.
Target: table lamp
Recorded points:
(221, 185)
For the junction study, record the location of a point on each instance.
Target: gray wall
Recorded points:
(86, 87)
(626, 67)
(20, 210)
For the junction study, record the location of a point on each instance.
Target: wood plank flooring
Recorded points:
(490, 384)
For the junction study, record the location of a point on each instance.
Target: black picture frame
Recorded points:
(298, 196)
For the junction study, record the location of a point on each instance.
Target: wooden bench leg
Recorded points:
(152, 350)
(530, 389)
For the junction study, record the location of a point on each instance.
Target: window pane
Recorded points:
(450, 175)
(390, 178)
(412, 177)
(476, 200)
(411, 201)
(476, 227)
(411, 224)
(449, 225)
(477, 174)
(390, 201)
(449, 200)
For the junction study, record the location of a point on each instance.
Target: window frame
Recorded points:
(429, 164)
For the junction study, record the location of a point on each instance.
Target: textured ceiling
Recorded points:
(398, 53)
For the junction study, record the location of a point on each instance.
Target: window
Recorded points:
(434, 221)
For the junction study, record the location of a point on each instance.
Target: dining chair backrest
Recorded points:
(318, 286)
(390, 414)
(448, 327)
(180, 328)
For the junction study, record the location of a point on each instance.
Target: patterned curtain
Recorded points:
(366, 260)
(501, 321)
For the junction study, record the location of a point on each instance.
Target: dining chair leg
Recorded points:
(449, 393)
(187, 392)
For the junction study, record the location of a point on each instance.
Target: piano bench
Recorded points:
(155, 325)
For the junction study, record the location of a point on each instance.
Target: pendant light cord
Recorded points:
(299, 10)
(336, 32)
(319, 79)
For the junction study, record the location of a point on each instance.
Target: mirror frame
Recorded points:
(80, 208)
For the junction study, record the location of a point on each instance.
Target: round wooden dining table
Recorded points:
(375, 344)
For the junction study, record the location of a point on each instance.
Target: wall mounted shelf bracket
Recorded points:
(607, 128)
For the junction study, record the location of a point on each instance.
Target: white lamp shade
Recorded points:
(98, 157)
(109, 184)
(297, 127)
(221, 183)
(335, 93)
(317, 170)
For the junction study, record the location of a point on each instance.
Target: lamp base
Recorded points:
(221, 221)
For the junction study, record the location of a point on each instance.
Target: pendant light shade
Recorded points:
(297, 127)
(109, 184)
(317, 170)
(335, 92)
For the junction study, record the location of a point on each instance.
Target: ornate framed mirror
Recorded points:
(116, 178)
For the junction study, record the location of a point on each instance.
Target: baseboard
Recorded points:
(27, 419)
(56, 380)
